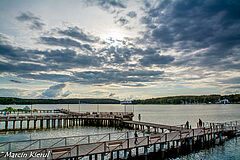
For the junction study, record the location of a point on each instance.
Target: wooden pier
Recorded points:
(125, 146)
(66, 119)
(29, 111)
(163, 140)
(146, 126)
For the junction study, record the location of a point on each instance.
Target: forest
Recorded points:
(208, 99)
(11, 100)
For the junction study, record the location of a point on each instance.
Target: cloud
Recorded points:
(53, 91)
(107, 4)
(98, 92)
(20, 60)
(190, 26)
(66, 94)
(122, 21)
(64, 42)
(79, 34)
(16, 54)
(118, 76)
(61, 78)
(234, 80)
(101, 77)
(34, 21)
(7, 92)
(132, 14)
(234, 87)
(21, 67)
(16, 81)
(111, 94)
(135, 85)
(157, 59)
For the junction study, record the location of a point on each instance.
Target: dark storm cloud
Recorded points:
(35, 22)
(132, 14)
(53, 91)
(64, 42)
(157, 59)
(79, 34)
(189, 26)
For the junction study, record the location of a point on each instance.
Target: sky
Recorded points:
(119, 49)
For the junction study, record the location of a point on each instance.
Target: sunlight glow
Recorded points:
(114, 36)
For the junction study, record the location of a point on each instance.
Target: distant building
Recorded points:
(225, 101)
(125, 102)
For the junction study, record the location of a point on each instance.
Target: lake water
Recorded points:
(163, 114)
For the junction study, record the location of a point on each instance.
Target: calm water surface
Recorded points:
(163, 114)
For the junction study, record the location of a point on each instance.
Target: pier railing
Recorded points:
(107, 143)
(120, 142)
(223, 124)
(12, 146)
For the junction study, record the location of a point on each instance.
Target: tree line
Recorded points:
(12, 100)
(208, 99)
(234, 98)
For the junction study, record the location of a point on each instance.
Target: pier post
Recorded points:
(64, 122)
(111, 155)
(90, 157)
(48, 123)
(145, 150)
(95, 156)
(14, 124)
(6, 125)
(117, 154)
(35, 124)
(67, 122)
(53, 123)
(21, 124)
(73, 122)
(130, 153)
(102, 156)
(154, 148)
(60, 122)
(28, 124)
(41, 123)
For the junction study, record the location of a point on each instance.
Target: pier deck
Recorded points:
(65, 119)
(124, 145)
(142, 125)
